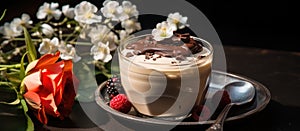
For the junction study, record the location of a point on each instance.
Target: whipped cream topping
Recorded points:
(180, 48)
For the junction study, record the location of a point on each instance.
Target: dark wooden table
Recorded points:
(279, 71)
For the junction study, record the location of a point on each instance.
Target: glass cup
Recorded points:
(165, 87)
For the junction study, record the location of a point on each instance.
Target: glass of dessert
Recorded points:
(168, 78)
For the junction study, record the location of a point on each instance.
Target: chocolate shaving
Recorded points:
(201, 56)
(148, 56)
(184, 37)
(194, 46)
(167, 48)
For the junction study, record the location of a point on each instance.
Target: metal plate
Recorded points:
(218, 80)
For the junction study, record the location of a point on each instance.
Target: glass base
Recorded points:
(166, 118)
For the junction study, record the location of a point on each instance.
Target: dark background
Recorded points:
(243, 23)
(250, 23)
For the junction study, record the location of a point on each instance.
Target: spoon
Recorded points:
(240, 92)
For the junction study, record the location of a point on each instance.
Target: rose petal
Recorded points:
(65, 107)
(30, 66)
(47, 100)
(52, 87)
(33, 100)
(41, 116)
(45, 60)
(33, 82)
(68, 67)
(70, 87)
(52, 75)
(54, 84)
(67, 72)
(48, 84)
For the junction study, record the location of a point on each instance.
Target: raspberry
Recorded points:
(113, 84)
(201, 113)
(120, 103)
(225, 98)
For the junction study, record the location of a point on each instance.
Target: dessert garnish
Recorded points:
(113, 84)
(193, 45)
(179, 46)
(120, 103)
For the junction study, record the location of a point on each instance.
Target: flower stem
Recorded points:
(3, 14)
(59, 23)
(11, 66)
(5, 83)
(67, 35)
(23, 39)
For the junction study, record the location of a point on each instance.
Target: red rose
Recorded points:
(50, 87)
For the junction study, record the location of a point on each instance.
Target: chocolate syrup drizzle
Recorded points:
(179, 46)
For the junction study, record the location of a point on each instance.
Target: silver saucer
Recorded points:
(218, 80)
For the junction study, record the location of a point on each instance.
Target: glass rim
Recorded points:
(206, 44)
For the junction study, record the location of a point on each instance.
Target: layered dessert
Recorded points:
(165, 78)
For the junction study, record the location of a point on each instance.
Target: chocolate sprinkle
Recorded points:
(201, 56)
(148, 55)
(194, 46)
(171, 47)
(184, 37)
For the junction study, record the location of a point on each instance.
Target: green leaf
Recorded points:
(29, 46)
(3, 14)
(14, 77)
(22, 88)
(17, 101)
(22, 68)
(30, 126)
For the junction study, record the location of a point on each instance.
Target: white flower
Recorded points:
(101, 52)
(18, 23)
(68, 52)
(129, 10)
(47, 29)
(36, 33)
(123, 35)
(84, 31)
(112, 10)
(131, 25)
(68, 12)
(98, 33)
(85, 13)
(103, 34)
(49, 11)
(163, 30)
(177, 19)
(112, 39)
(49, 46)
(9, 31)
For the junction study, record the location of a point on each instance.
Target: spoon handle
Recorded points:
(218, 125)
